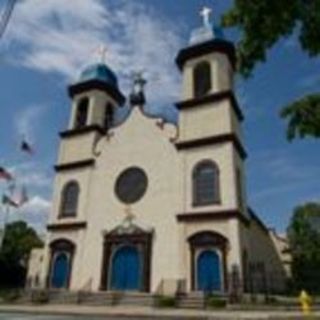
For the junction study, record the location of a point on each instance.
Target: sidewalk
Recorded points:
(150, 313)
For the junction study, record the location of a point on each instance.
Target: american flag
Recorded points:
(6, 200)
(26, 147)
(4, 174)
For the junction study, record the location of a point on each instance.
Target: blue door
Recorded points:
(125, 271)
(208, 271)
(60, 271)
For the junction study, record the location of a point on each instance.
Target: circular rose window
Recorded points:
(131, 185)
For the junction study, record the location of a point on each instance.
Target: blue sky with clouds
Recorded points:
(49, 42)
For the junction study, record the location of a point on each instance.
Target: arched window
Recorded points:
(69, 200)
(108, 116)
(206, 183)
(202, 79)
(81, 113)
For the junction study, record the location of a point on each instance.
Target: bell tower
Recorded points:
(210, 146)
(209, 115)
(95, 96)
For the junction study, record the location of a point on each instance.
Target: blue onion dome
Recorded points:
(206, 33)
(99, 72)
(218, 33)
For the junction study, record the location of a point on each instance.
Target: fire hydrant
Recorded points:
(305, 301)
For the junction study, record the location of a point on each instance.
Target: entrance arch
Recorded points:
(126, 269)
(208, 253)
(62, 254)
(208, 271)
(60, 271)
(126, 263)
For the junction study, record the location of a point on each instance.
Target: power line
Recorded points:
(6, 15)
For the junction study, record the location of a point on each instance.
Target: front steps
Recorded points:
(116, 298)
(193, 300)
(96, 299)
(110, 298)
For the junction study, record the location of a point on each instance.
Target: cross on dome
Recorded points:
(138, 80)
(102, 53)
(206, 13)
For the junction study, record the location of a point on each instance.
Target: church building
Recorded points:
(146, 205)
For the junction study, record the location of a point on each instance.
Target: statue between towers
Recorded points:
(137, 96)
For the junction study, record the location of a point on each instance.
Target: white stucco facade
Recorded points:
(169, 230)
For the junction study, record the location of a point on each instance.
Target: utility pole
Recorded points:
(6, 15)
(5, 223)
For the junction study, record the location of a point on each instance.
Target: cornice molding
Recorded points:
(97, 85)
(78, 132)
(68, 226)
(221, 46)
(190, 217)
(211, 98)
(207, 141)
(74, 165)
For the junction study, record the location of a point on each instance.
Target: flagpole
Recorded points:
(5, 223)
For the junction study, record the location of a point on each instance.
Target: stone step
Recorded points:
(96, 299)
(116, 298)
(195, 295)
(135, 302)
(191, 304)
(63, 297)
(193, 300)
(133, 298)
(25, 298)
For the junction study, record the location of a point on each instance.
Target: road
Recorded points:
(14, 316)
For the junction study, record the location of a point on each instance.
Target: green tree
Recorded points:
(304, 238)
(18, 242)
(262, 24)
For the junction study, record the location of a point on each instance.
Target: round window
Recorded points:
(131, 185)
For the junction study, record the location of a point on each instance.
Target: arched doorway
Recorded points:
(208, 254)
(62, 254)
(126, 264)
(60, 271)
(208, 271)
(126, 269)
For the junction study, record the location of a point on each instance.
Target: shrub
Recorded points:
(216, 302)
(165, 302)
(40, 296)
(10, 295)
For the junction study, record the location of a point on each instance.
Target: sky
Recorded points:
(48, 43)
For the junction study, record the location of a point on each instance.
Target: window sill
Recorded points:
(67, 216)
(206, 204)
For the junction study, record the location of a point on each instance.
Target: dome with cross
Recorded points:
(100, 72)
(209, 31)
